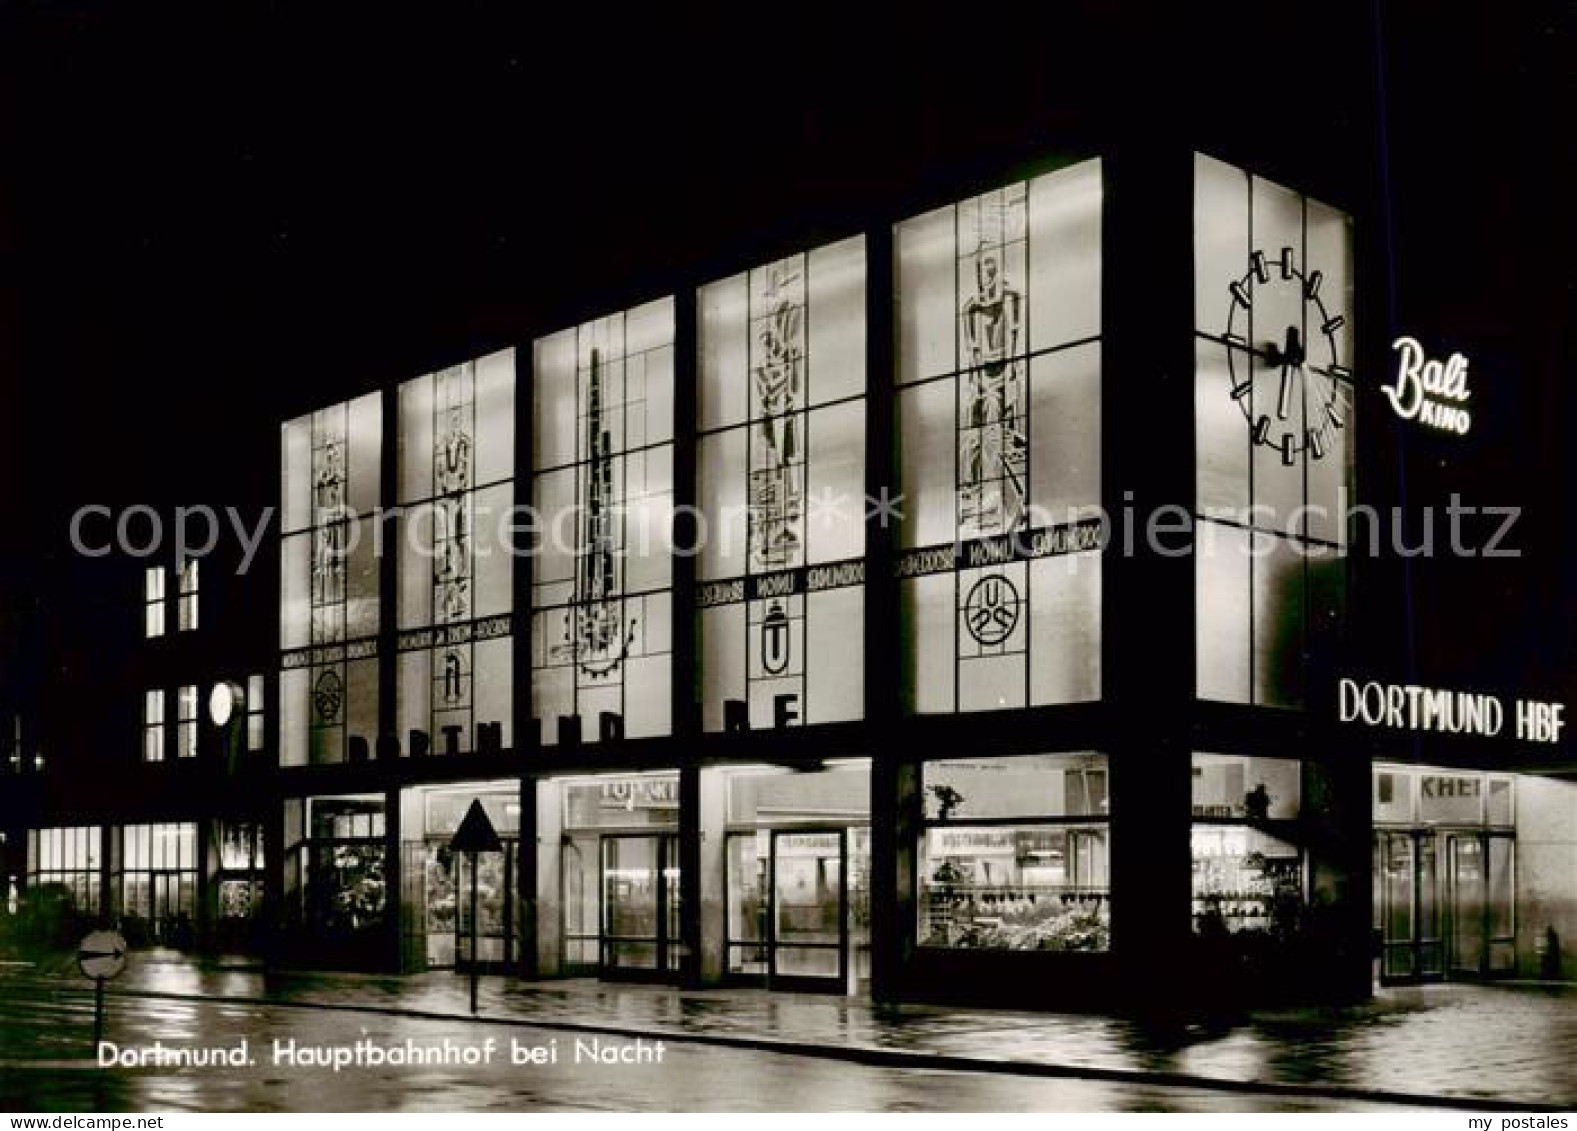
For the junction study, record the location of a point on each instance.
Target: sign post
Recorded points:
(101, 956)
(475, 836)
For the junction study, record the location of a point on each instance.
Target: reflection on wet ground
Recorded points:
(46, 1070)
(1514, 1044)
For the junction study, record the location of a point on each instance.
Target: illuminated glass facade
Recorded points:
(1273, 429)
(329, 612)
(601, 594)
(781, 479)
(999, 409)
(825, 745)
(456, 601)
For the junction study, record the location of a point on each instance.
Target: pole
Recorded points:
(475, 857)
(98, 1014)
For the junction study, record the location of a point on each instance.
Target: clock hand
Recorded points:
(1291, 358)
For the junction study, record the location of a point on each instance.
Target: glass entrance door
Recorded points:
(1480, 904)
(1394, 887)
(808, 910)
(1408, 905)
(798, 912)
(173, 899)
(640, 906)
(1465, 901)
(1444, 904)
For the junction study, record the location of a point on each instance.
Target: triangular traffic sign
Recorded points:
(476, 832)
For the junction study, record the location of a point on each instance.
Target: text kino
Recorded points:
(1430, 392)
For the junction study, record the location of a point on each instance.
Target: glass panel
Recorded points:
(1396, 897)
(1015, 888)
(1221, 586)
(630, 879)
(1431, 958)
(1221, 229)
(836, 330)
(1279, 610)
(1450, 798)
(924, 248)
(722, 480)
(626, 802)
(1467, 903)
(722, 310)
(1065, 435)
(295, 443)
(786, 798)
(1233, 785)
(1065, 629)
(415, 469)
(1498, 809)
(582, 898)
(1393, 795)
(1043, 785)
(928, 464)
(1065, 255)
(1221, 435)
(1500, 891)
(835, 637)
(1246, 880)
(364, 432)
(836, 526)
(495, 418)
(808, 892)
(747, 891)
(554, 414)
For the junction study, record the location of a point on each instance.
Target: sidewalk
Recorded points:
(1516, 1044)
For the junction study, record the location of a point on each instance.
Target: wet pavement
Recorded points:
(57, 1077)
(1497, 1045)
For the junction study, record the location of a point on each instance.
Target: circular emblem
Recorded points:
(991, 610)
(328, 695)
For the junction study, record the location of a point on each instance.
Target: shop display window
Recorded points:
(67, 859)
(1016, 854)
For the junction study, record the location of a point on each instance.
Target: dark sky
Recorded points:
(218, 214)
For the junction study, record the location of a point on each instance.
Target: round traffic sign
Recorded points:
(102, 955)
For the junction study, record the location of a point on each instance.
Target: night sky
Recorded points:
(215, 216)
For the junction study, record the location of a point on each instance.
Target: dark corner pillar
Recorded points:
(529, 851)
(397, 908)
(537, 848)
(697, 882)
(271, 931)
(1337, 815)
(1148, 585)
(208, 883)
(895, 838)
(895, 786)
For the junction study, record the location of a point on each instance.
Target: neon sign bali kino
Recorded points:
(1430, 392)
(1410, 707)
